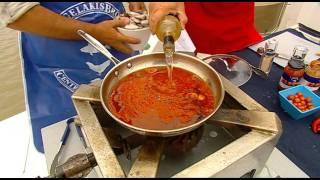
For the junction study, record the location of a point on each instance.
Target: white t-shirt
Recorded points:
(11, 11)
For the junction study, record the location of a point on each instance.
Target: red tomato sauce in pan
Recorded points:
(146, 99)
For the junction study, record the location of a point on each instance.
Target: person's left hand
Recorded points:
(137, 6)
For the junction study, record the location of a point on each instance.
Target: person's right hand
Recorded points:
(157, 10)
(106, 32)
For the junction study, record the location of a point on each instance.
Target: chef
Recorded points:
(214, 27)
(54, 57)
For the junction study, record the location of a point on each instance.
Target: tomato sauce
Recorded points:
(146, 99)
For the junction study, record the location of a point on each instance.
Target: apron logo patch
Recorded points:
(99, 68)
(92, 50)
(65, 80)
(85, 8)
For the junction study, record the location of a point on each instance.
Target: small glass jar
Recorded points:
(294, 71)
(311, 77)
(268, 55)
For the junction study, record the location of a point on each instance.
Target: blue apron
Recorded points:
(54, 69)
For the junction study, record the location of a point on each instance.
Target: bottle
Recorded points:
(311, 77)
(268, 55)
(168, 30)
(294, 71)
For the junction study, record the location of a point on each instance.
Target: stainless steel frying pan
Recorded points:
(139, 62)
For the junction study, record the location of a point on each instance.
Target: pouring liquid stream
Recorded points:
(169, 50)
(168, 31)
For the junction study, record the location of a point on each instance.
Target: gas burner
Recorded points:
(183, 143)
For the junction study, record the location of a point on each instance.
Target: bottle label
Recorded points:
(312, 82)
(287, 81)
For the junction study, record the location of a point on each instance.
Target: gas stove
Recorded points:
(235, 142)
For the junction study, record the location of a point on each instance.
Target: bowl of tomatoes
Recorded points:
(299, 101)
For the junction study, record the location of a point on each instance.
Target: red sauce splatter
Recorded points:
(146, 99)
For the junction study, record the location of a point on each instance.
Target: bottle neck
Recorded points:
(168, 44)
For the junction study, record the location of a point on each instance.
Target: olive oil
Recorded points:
(168, 31)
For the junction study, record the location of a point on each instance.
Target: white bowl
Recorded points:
(142, 33)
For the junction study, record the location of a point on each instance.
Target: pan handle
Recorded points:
(96, 44)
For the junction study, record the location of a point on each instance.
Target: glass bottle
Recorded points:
(268, 55)
(168, 30)
(294, 71)
(311, 77)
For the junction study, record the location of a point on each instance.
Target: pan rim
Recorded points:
(168, 132)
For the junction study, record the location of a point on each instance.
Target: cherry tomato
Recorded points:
(308, 99)
(309, 104)
(296, 100)
(315, 125)
(299, 94)
(302, 98)
(303, 102)
(311, 107)
(291, 97)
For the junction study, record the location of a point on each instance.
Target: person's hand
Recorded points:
(106, 32)
(157, 10)
(137, 6)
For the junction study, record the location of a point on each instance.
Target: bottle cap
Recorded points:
(296, 64)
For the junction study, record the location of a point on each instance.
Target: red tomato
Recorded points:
(308, 99)
(315, 125)
(311, 107)
(309, 104)
(302, 98)
(296, 100)
(299, 94)
(291, 97)
(303, 102)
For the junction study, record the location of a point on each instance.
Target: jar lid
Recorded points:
(315, 64)
(296, 64)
